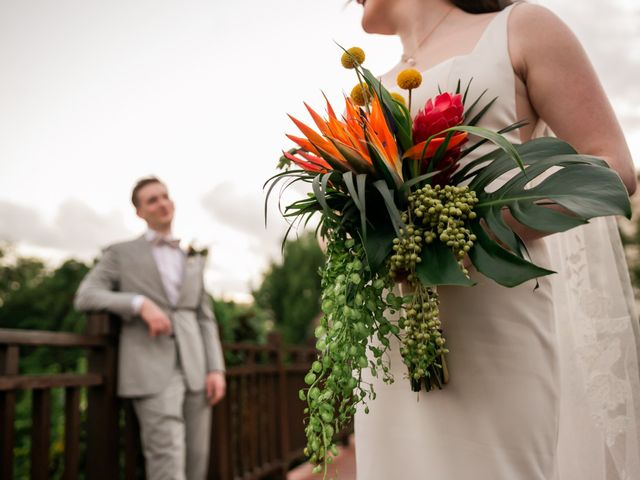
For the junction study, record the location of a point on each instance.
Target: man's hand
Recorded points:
(216, 386)
(155, 318)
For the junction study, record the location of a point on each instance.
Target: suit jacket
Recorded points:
(145, 364)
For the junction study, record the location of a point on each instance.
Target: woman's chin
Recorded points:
(375, 26)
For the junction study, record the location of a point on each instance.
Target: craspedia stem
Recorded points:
(365, 91)
(409, 79)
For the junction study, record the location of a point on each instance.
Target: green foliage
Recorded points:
(433, 246)
(239, 322)
(354, 308)
(290, 291)
(630, 236)
(34, 297)
(585, 187)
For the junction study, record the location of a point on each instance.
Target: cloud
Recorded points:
(19, 223)
(83, 229)
(76, 228)
(609, 34)
(242, 210)
(228, 283)
(610, 37)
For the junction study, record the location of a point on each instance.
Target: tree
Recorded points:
(239, 322)
(630, 235)
(34, 297)
(290, 290)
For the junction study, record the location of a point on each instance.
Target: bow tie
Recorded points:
(168, 241)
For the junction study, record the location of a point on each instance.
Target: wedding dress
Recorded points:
(544, 382)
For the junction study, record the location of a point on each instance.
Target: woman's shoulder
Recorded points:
(534, 18)
(534, 31)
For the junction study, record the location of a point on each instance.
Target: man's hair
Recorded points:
(143, 182)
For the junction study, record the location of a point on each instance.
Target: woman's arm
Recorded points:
(564, 89)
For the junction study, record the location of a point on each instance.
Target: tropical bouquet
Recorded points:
(397, 203)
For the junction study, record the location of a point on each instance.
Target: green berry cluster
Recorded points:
(354, 305)
(434, 213)
(406, 251)
(422, 347)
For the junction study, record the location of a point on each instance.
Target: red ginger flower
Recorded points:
(447, 111)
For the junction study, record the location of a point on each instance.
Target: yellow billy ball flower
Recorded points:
(360, 96)
(409, 79)
(353, 57)
(399, 98)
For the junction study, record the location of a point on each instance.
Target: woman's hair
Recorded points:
(481, 6)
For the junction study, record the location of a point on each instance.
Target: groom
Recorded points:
(170, 357)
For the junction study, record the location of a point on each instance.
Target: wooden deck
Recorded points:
(256, 429)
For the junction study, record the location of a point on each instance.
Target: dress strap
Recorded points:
(491, 58)
(495, 37)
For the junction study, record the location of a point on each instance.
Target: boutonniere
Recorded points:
(193, 251)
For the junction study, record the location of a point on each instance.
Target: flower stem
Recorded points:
(365, 91)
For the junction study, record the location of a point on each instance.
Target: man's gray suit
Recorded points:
(148, 366)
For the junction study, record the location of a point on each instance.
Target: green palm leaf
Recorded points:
(399, 112)
(583, 186)
(497, 163)
(439, 267)
(499, 264)
(389, 201)
(494, 137)
(357, 194)
(356, 161)
(378, 245)
(382, 169)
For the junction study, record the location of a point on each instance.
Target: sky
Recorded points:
(95, 94)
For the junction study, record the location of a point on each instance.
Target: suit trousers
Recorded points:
(175, 427)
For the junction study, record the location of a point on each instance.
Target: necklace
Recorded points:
(410, 58)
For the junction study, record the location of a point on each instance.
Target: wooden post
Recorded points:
(8, 366)
(275, 339)
(252, 407)
(71, 433)
(103, 408)
(220, 451)
(40, 433)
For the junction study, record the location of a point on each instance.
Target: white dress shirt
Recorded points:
(170, 262)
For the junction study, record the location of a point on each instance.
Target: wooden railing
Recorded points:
(257, 430)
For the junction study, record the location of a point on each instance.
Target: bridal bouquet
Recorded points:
(396, 203)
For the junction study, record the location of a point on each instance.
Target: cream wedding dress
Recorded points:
(544, 382)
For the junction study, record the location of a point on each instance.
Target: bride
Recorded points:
(544, 377)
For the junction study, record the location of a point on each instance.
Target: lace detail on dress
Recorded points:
(605, 346)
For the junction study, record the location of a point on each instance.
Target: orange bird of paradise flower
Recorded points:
(349, 143)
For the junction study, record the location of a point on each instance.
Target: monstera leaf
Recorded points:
(440, 267)
(556, 190)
